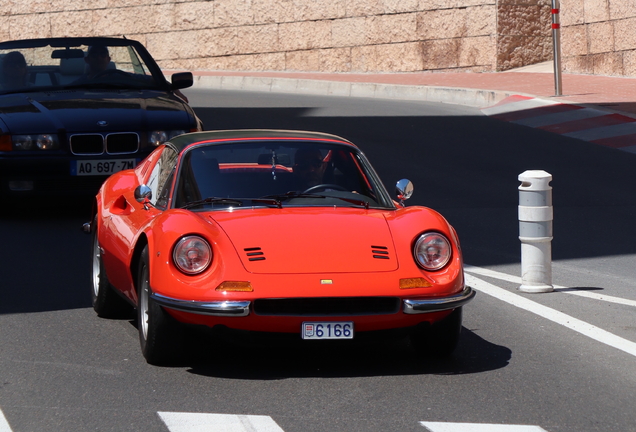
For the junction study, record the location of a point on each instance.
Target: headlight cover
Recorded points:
(192, 255)
(35, 142)
(432, 251)
(158, 137)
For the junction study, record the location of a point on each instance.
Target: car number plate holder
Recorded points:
(327, 330)
(94, 167)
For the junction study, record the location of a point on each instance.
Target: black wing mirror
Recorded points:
(182, 80)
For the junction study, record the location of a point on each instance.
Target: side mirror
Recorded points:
(143, 195)
(182, 80)
(404, 190)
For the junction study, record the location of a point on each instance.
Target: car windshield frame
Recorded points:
(54, 64)
(260, 173)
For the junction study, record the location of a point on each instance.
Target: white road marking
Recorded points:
(562, 117)
(201, 422)
(516, 279)
(478, 427)
(4, 424)
(553, 315)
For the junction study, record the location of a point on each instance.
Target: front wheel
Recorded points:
(439, 339)
(105, 300)
(157, 331)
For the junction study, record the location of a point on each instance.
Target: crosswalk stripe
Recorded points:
(4, 424)
(202, 422)
(478, 427)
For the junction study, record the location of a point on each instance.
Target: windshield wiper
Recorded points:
(295, 194)
(212, 200)
(290, 195)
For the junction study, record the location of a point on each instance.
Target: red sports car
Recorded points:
(272, 231)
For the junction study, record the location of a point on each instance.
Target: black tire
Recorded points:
(158, 332)
(440, 339)
(106, 302)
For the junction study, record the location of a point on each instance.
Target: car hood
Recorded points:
(80, 111)
(317, 240)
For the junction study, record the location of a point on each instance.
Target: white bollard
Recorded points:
(535, 231)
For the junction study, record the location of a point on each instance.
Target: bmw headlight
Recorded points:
(35, 142)
(432, 251)
(192, 255)
(158, 137)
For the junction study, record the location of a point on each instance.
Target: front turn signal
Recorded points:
(410, 283)
(235, 286)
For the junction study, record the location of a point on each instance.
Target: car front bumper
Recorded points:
(242, 308)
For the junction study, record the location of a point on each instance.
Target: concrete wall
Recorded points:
(343, 35)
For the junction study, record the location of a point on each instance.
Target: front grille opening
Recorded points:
(87, 144)
(122, 143)
(327, 306)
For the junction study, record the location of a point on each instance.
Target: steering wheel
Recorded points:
(109, 72)
(324, 186)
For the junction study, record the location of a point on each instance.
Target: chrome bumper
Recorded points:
(438, 304)
(213, 308)
(242, 308)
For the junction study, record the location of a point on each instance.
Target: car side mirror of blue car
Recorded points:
(182, 80)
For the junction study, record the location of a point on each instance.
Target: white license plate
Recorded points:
(101, 166)
(327, 330)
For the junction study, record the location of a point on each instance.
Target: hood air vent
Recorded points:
(380, 252)
(254, 254)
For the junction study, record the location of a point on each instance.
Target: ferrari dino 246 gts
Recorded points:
(272, 231)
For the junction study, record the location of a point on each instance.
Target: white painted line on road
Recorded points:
(478, 427)
(517, 280)
(556, 118)
(4, 424)
(202, 422)
(553, 315)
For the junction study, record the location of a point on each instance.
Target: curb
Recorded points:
(477, 98)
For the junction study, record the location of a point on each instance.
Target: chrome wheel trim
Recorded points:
(97, 261)
(143, 304)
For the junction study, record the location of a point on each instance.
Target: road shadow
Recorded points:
(44, 256)
(220, 357)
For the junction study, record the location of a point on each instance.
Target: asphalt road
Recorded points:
(558, 361)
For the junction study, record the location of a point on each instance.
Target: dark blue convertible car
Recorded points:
(75, 110)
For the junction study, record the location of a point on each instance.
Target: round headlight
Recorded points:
(23, 142)
(432, 251)
(192, 255)
(158, 137)
(46, 142)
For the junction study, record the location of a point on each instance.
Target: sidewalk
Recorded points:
(598, 109)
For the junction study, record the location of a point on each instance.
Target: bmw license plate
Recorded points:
(327, 330)
(101, 166)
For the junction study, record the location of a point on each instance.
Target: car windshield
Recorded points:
(96, 63)
(277, 174)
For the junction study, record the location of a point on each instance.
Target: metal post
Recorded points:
(556, 46)
(535, 231)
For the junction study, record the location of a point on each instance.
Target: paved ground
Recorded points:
(599, 109)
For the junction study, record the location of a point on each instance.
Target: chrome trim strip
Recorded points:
(212, 308)
(438, 304)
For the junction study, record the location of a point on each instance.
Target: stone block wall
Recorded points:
(344, 35)
(599, 36)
